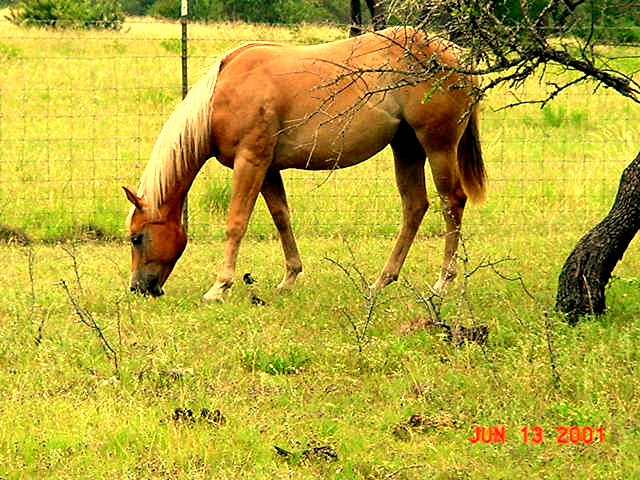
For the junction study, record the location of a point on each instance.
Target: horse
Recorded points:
(264, 107)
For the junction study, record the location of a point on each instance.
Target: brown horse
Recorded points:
(264, 108)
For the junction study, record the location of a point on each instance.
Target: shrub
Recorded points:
(259, 11)
(198, 9)
(101, 14)
(136, 7)
(609, 21)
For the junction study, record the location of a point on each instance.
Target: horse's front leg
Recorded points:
(246, 182)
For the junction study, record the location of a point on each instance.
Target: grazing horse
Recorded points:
(265, 107)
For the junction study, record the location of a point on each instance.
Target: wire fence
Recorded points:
(80, 110)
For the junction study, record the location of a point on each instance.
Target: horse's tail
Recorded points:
(184, 143)
(470, 164)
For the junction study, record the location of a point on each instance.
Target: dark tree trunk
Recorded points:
(376, 9)
(588, 268)
(356, 19)
(377, 16)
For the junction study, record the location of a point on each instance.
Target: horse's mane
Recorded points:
(181, 144)
(184, 143)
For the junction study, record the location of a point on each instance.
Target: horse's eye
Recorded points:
(136, 239)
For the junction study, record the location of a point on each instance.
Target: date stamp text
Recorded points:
(535, 435)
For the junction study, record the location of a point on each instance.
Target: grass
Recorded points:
(72, 414)
(290, 362)
(295, 374)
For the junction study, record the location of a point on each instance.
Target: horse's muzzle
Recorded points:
(149, 287)
(158, 292)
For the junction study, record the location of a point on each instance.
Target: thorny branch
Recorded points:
(432, 303)
(87, 319)
(493, 266)
(71, 250)
(31, 261)
(360, 329)
(508, 54)
(370, 299)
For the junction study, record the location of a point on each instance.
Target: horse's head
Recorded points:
(156, 245)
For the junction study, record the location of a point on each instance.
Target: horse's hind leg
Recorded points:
(445, 176)
(409, 160)
(276, 199)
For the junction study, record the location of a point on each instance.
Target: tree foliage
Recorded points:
(601, 21)
(608, 21)
(605, 21)
(101, 14)
(510, 49)
(257, 11)
(137, 7)
(203, 10)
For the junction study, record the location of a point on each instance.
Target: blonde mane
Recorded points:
(183, 145)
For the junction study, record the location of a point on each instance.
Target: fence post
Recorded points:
(184, 13)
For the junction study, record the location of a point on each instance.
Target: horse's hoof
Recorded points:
(215, 293)
(212, 299)
(213, 296)
(283, 286)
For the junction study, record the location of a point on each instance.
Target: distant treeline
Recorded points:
(612, 21)
(109, 13)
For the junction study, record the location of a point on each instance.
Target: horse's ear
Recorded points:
(133, 198)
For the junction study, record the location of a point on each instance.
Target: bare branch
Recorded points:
(87, 319)
(510, 53)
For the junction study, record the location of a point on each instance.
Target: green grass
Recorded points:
(297, 373)
(289, 362)
(290, 373)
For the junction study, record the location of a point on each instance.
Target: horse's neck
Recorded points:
(174, 203)
(166, 190)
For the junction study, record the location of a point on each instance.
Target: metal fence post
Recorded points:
(184, 12)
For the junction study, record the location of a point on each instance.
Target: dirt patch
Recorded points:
(456, 334)
(419, 423)
(186, 416)
(249, 280)
(14, 236)
(311, 454)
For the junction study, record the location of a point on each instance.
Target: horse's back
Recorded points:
(302, 97)
(329, 105)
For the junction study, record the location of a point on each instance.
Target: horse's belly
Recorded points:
(335, 144)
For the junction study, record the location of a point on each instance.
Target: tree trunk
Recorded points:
(588, 268)
(376, 9)
(356, 19)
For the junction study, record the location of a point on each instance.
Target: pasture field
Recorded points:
(98, 383)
